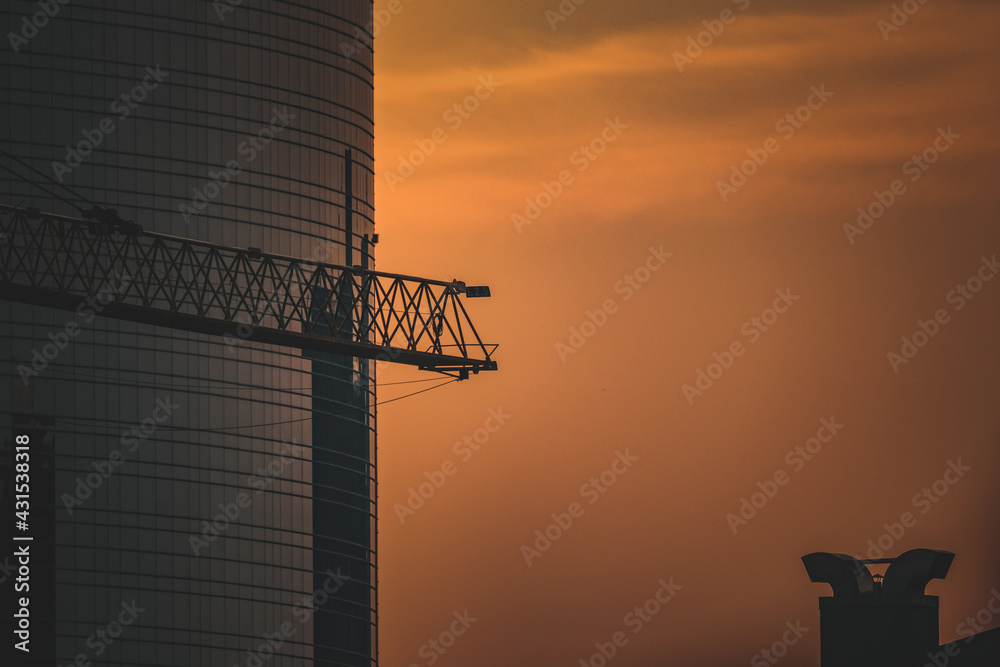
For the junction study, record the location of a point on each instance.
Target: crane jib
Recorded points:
(243, 293)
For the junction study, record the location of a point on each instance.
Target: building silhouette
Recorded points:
(876, 621)
(213, 497)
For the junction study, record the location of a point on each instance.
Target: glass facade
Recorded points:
(209, 501)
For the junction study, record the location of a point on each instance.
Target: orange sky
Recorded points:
(655, 184)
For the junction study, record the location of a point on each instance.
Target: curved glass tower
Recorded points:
(202, 500)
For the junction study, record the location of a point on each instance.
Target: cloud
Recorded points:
(686, 130)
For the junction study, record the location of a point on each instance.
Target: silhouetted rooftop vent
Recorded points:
(888, 620)
(854, 584)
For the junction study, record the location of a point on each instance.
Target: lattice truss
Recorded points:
(182, 283)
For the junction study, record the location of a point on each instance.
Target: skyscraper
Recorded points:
(209, 501)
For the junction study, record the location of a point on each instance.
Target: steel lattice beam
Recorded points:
(60, 262)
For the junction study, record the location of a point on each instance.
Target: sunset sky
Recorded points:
(658, 243)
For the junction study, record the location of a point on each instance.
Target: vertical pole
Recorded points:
(366, 289)
(346, 296)
(349, 208)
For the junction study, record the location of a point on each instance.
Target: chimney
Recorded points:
(876, 621)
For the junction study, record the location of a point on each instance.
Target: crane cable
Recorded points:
(51, 180)
(45, 190)
(392, 400)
